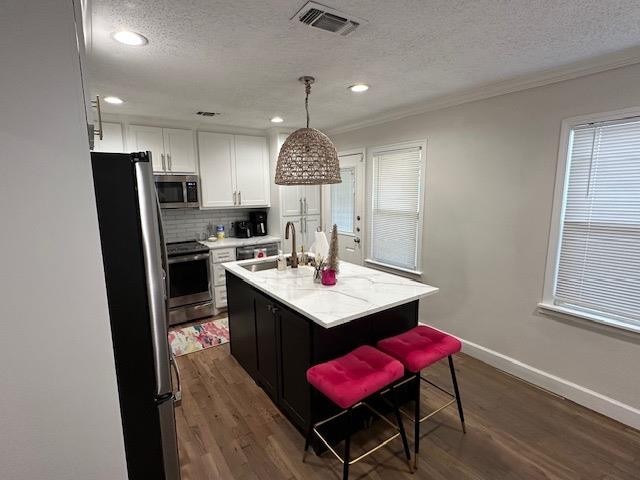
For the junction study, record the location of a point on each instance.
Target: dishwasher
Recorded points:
(244, 253)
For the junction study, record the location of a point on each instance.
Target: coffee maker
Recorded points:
(258, 223)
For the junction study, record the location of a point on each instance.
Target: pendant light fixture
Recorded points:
(307, 156)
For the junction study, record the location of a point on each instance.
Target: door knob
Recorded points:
(358, 218)
(357, 239)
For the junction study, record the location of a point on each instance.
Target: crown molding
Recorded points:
(599, 64)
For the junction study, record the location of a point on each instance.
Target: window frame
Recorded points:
(557, 220)
(371, 152)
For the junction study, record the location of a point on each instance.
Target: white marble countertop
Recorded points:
(233, 242)
(360, 291)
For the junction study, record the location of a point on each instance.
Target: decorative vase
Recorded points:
(329, 276)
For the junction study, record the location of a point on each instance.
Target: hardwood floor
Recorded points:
(229, 429)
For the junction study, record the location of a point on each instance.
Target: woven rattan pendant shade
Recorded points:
(307, 156)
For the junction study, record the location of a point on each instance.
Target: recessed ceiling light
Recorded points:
(113, 100)
(130, 38)
(359, 87)
(277, 120)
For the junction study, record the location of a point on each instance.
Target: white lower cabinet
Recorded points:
(218, 276)
(305, 230)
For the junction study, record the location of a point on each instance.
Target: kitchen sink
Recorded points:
(260, 266)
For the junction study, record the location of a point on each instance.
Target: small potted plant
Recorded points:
(331, 264)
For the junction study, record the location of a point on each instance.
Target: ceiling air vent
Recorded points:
(325, 18)
(208, 114)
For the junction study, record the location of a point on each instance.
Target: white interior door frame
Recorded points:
(360, 195)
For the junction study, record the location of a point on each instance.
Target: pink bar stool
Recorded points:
(347, 381)
(417, 349)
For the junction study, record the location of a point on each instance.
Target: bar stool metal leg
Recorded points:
(457, 392)
(416, 424)
(403, 433)
(307, 440)
(347, 447)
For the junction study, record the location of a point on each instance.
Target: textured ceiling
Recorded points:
(243, 57)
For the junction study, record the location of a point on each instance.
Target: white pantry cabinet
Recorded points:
(171, 149)
(234, 170)
(112, 140)
(300, 200)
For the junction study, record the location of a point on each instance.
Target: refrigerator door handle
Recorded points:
(152, 249)
(177, 393)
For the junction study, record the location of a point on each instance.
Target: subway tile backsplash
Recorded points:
(181, 224)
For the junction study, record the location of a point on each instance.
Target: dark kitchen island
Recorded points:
(281, 323)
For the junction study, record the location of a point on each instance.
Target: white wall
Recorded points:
(59, 414)
(490, 178)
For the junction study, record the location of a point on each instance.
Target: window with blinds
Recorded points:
(598, 249)
(343, 202)
(396, 207)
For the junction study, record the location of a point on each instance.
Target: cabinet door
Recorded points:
(291, 196)
(311, 199)
(310, 224)
(295, 343)
(142, 139)
(180, 155)
(112, 140)
(267, 346)
(242, 323)
(252, 171)
(217, 153)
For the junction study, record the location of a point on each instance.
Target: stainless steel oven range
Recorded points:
(189, 282)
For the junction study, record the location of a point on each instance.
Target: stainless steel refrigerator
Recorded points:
(135, 268)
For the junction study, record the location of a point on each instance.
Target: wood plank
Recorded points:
(228, 428)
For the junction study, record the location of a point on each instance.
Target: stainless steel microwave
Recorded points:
(177, 191)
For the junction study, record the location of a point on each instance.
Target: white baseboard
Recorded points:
(593, 400)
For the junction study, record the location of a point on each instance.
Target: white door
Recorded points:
(311, 199)
(216, 169)
(111, 139)
(180, 156)
(291, 196)
(347, 208)
(143, 138)
(252, 171)
(310, 225)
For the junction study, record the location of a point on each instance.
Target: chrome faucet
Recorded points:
(294, 253)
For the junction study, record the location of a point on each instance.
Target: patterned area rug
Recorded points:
(198, 337)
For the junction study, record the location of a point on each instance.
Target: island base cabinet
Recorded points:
(242, 324)
(276, 346)
(267, 345)
(295, 359)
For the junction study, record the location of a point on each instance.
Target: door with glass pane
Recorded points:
(347, 208)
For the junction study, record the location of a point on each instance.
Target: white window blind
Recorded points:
(396, 198)
(343, 201)
(598, 269)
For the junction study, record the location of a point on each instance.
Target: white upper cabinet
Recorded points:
(171, 149)
(217, 158)
(179, 153)
(112, 140)
(234, 170)
(252, 171)
(142, 139)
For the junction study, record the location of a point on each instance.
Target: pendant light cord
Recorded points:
(307, 89)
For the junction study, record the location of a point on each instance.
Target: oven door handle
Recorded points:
(190, 258)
